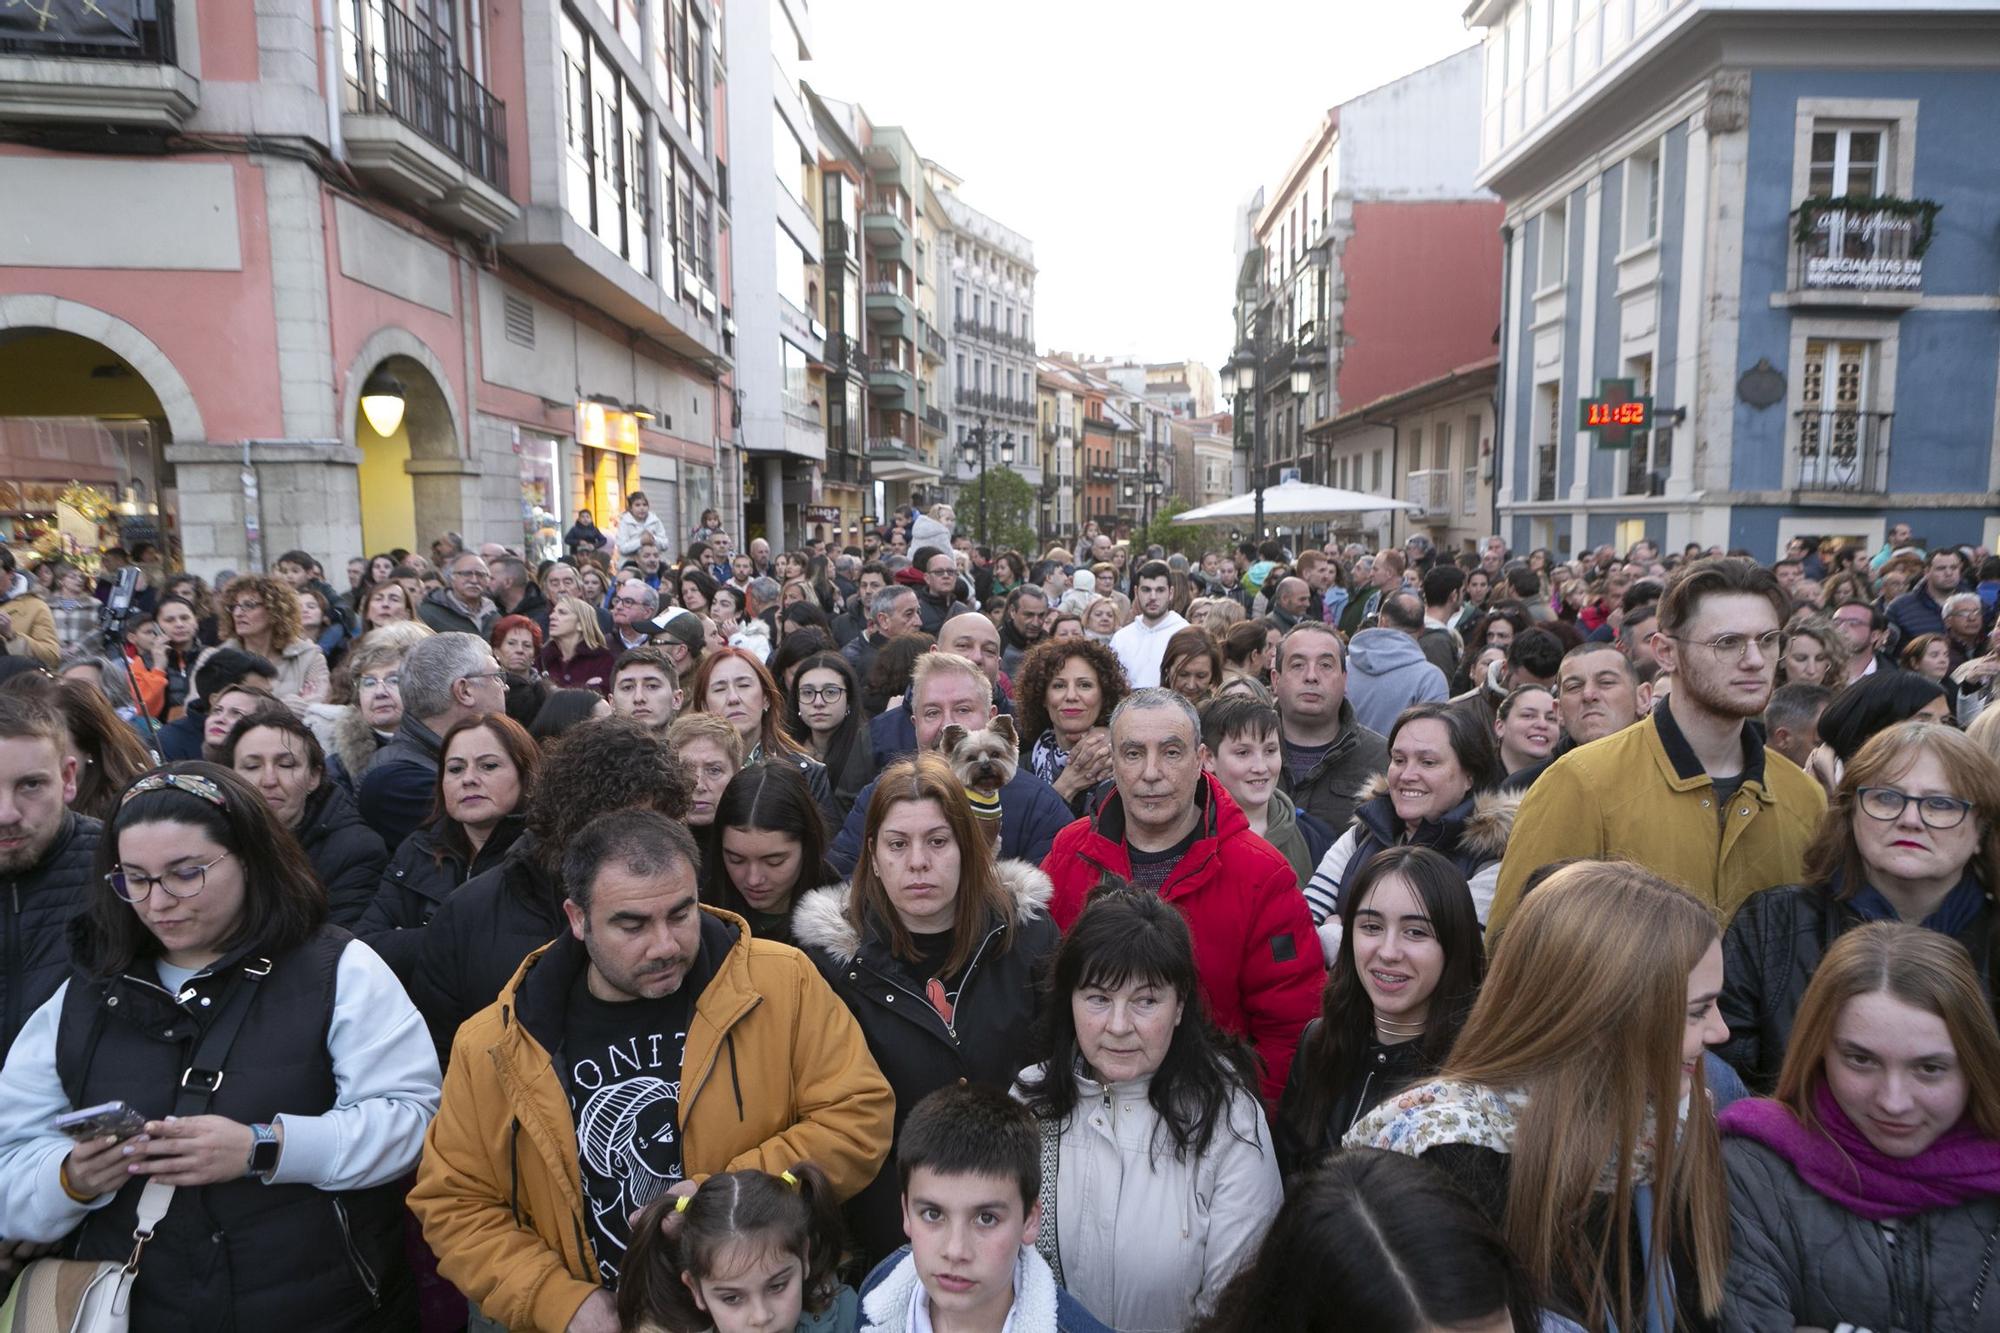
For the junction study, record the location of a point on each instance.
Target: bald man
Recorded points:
(893, 733)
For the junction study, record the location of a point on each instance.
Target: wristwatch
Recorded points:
(263, 1151)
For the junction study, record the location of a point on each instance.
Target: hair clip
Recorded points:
(681, 1204)
(191, 783)
(789, 1179)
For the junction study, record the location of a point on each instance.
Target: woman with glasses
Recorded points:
(264, 619)
(277, 754)
(204, 946)
(364, 705)
(1912, 834)
(732, 684)
(824, 704)
(486, 769)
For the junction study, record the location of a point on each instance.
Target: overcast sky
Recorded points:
(1120, 136)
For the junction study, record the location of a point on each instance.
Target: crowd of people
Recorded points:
(920, 937)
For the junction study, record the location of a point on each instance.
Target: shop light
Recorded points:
(382, 402)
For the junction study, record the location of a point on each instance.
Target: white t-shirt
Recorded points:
(1140, 648)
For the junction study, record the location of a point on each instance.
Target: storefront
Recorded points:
(543, 521)
(70, 486)
(605, 466)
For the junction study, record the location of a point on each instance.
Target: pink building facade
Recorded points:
(219, 221)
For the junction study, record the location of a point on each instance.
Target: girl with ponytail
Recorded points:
(745, 1251)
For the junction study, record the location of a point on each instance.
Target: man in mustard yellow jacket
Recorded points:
(1690, 792)
(655, 1045)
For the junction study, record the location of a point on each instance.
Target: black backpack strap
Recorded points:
(203, 1076)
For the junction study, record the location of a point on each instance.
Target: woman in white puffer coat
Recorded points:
(1158, 1174)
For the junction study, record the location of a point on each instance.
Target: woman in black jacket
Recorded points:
(278, 754)
(486, 769)
(766, 849)
(1913, 834)
(824, 710)
(1409, 967)
(935, 948)
(204, 946)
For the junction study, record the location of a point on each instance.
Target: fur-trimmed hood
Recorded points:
(820, 921)
(1483, 822)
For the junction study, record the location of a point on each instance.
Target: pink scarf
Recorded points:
(1844, 1167)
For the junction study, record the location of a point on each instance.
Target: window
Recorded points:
(1548, 399)
(1847, 162)
(791, 271)
(1642, 197)
(638, 213)
(1837, 426)
(978, 308)
(958, 303)
(1469, 476)
(958, 376)
(576, 120)
(1443, 447)
(1551, 267)
(1376, 486)
(1417, 446)
(1644, 474)
(788, 157)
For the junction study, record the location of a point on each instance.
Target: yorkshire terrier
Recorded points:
(985, 760)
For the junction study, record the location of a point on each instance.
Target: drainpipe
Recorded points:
(1500, 380)
(329, 42)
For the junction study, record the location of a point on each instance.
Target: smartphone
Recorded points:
(115, 1119)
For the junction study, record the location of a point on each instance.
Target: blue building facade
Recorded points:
(1798, 262)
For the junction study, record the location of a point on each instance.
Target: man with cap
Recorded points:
(679, 633)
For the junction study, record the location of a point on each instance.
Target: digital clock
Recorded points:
(1615, 414)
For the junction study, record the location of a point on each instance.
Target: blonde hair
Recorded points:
(1924, 969)
(1984, 731)
(707, 727)
(937, 662)
(1584, 1008)
(1831, 642)
(588, 631)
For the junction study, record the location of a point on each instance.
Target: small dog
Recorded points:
(985, 760)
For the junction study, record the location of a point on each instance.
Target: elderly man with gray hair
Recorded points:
(445, 679)
(1171, 828)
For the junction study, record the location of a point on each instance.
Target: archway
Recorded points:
(82, 447)
(409, 481)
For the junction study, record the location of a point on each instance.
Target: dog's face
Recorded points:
(987, 759)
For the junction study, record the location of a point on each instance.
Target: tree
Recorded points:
(1010, 511)
(1189, 540)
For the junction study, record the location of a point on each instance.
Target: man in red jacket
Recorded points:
(1171, 828)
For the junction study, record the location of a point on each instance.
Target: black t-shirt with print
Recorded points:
(621, 1068)
(1150, 869)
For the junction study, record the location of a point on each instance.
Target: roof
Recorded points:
(1444, 386)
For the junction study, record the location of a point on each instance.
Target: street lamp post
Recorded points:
(973, 450)
(1242, 371)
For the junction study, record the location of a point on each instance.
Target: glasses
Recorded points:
(628, 601)
(180, 882)
(247, 606)
(484, 675)
(1962, 611)
(943, 569)
(381, 682)
(1738, 645)
(813, 694)
(1937, 812)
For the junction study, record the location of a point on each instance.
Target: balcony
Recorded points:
(931, 340)
(1430, 491)
(889, 304)
(419, 125)
(885, 227)
(78, 64)
(934, 419)
(1844, 452)
(837, 240)
(1862, 252)
(893, 458)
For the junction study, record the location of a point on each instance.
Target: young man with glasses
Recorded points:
(1690, 791)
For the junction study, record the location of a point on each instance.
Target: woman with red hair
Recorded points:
(733, 685)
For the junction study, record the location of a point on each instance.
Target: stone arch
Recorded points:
(385, 344)
(31, 311)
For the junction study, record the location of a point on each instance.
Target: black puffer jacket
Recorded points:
(346, 854)
(1769, 953)
(478, 937)
(34, 939)
(1798, 1260)
(986, 1042)
(420, 876)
